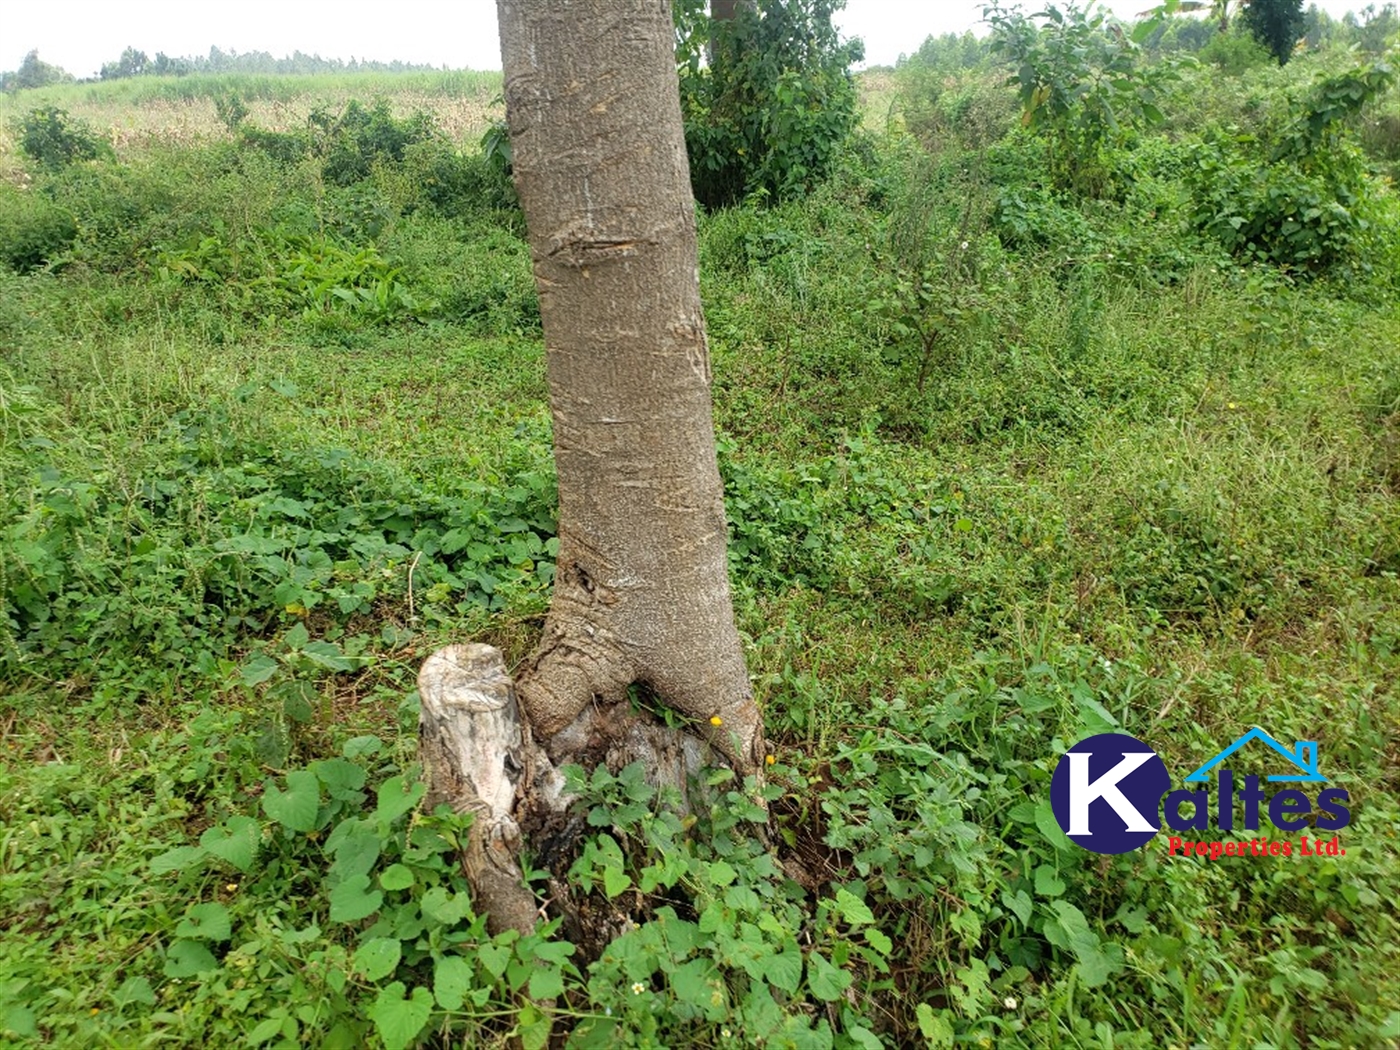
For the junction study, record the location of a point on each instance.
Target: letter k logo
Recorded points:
(1083, 791)
(1107, 791)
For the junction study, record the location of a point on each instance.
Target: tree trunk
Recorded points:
(641, 595)
(642, 591)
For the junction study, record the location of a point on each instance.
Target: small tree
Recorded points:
(132, 63)
(33, 73)
(767, 97)
(1080, 82)
(1277, 24)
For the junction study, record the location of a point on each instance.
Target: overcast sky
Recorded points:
(80, 35)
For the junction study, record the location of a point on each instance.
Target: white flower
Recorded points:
(964, 245)
(638, 988)
(1009, 1002)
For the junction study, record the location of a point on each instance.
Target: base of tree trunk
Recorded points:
(480, 756)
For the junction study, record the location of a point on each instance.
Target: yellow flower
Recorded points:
(716, 721)
(232, 887)
(771, 759)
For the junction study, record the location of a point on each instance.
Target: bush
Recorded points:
(285, 147)
(771, 109)
(458, 183)
(54, 140)
(353, 141)
(1309, 204)
(33, 231)
(1234, 52)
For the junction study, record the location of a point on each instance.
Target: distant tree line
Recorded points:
(132, 62)
(1279, 25)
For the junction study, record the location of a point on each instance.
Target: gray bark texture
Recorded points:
(641, 594)
(642, 591)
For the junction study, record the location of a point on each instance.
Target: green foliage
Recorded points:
(352, 141)
(33, 73)
(771, 109)
(1310, 205)
(1146, 488)
(54, 140)
(132, 63)
(1233, 51)
(1081, 85)
(34, 233)
(1276, 24)
(231, 110)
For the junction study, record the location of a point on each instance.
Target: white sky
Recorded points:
(80, 35)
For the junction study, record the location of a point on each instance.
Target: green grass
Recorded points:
(1146, 489)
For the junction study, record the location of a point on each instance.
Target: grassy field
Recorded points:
(267, 440)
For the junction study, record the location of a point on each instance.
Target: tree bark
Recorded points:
(641, 594)
(642, 590)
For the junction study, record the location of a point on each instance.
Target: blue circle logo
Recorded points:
(1107, 791)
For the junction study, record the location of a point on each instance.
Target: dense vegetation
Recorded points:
(1061, 406)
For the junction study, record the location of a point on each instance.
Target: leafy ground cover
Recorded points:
(1006, 464)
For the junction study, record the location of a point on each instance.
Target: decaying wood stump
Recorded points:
(480, 756)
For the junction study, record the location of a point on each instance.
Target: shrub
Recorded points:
(33, 231)
(459, 183)
(353, 141)
(1308, 205)
(1081, 87)
(770, 110)
(1233, 52)
(51, 138)
(285, 147)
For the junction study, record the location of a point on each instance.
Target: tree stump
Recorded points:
(480, 757)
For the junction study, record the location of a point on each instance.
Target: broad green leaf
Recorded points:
(852, 908)
(265, 1031)
(933, 1027)
(398, 1019)
(493, 958)
(452, 978)
(535, 1027)
(1019, 903)
(206, 922)
(259, 668)
(615, 880)
(177, 859)
(356, 851)
(21, 1021)
(330, 656)
(396, 799)
(353, 900)
(188, 958)
(396, 877)
(296, 807)
(1050, 828)
(784, 970)
(444, 906)
(1047, 883)
(826, 981)
(296, 637)
(134, 990)
(342, 778)
(378, 957)
(234, 842)
(879, 941)
(720, 873)
(546, 982)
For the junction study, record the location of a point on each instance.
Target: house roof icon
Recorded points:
(1304, 756)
